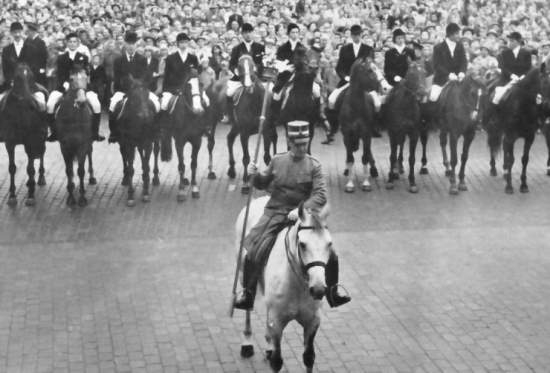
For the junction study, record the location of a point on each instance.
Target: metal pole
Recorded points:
(255, 160)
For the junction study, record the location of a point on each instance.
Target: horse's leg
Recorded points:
(145, 153)
(125, 180)
(508, 150)
(524, 161)
(400, 168)
(424, 141)
(349, 172)
(245, 189)
(275, 331)
(181, 169)
(546, 130)
(130, 155)
(453, 140)
(413, 141)
(230, 141)
(270, 136)
(41, 171)
(69, 171)
(196, 145)
(10, 148)
(393, 160)
(91, 180)
(443, 143)
(211, 143)
(156, 151)
(247, 348)
(468, 138)
(31, 183)
(373, 169)
(310, 330)
(82, 201)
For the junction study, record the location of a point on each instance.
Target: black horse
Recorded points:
(23, 123)
(186, 124)
(136, 126)
(402, 117)
(545, 114)
(459, 107)
(73, 121)
(357, 120)
(518, 117)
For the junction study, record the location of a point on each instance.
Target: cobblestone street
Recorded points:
(439, 283)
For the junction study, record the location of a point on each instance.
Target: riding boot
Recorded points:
(113, 135)
(96, 120)
(53, 130)
(334, 299)
(332, 117)
(229, 110)
(245, 300)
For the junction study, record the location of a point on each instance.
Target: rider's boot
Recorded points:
(334, 298)
(96, 120)
(50, 118)
(113, 136)
(245, 300)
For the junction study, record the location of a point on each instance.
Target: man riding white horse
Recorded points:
(293, 178)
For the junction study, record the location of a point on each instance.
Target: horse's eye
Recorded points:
(302, 246)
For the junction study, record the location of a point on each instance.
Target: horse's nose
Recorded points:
(317, 292)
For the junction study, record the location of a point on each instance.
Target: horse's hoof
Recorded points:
(462, 187)
(247, 351)
(413, 189)
(185, 181)
(41, 180)
(493, 172)
(350, 188)
(30, 202)
(509, 189)
(374, 172)
(396, 174)
(71, 201)
(82, 201)
(268, 354)
(424, 171)
(366, 187)
(245, 189)
(447, 173)
(231, 173)
(548, 172)
(524, 188)
(156, 180)
(12, 201)
(401, 170)
(125, 181)
(92, 181)
(181, 196)
(346, 172)
(195, 194)
(131, 203)
(211, 175)
(146, 198)
(389, 185)
(453, 190)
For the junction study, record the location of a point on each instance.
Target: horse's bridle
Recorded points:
(304, 268)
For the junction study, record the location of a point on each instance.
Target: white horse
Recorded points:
(293, 282)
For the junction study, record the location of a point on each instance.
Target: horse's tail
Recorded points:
(165, 139)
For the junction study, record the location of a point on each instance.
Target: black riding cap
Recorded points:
(16, 26)
(452, 28)
(247, 27)
(356, 30)
(291, 26)
(397, 33)
(131, 37)
(515, 36)
(182, 36)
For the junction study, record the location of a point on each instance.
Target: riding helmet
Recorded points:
(452, 28)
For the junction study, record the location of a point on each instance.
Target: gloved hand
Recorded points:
(514, 77)
(397, 78)
(453, 77)
(252, 169)
(293, 215)
(539, 99)
(346, 78)
(461, 76)
(66, 85)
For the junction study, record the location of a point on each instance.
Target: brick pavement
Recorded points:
(440, 283)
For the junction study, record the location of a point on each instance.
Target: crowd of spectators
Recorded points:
(214, 27)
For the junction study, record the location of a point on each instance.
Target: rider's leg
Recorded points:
(334, 299)
(93, 100)
(53, 99)
(117, 97)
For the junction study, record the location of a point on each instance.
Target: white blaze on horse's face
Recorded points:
(247, 78)
(196, 95)
(315, 246)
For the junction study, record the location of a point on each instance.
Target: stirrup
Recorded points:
(334, 299)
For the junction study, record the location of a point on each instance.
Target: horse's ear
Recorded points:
(301, 214)
(323, 214)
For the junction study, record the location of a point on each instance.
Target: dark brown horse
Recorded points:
(357, 117)
(136, 124)
(459, 106)
(402, 117)
(23, 123)
(73, 121)
(186, 124)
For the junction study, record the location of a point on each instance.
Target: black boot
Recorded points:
(229, 111)
(245, 300)
(96, 119)
(113, 136)
(53, 130)
(334, 299)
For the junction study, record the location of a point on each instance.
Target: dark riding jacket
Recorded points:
(123, 68)
(444, 63)
(257, 52)
(64, 66)
(347, 57)
(509, 64)
(397, 64)
(177, 71)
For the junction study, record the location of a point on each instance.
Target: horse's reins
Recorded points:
(292, 261)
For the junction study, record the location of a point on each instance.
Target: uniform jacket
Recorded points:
(122, 69)
(257, 51)
(65, 65)
(444, 63)
(10, 60)
(347, 57)
(285, 52)
(292, 182)
(98, 78)
(177, 71)
(396, 64)
(509, 64)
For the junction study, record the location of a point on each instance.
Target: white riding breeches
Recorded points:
(167, 96)
(91, 97)
(232, 87)
(119, 96)
(435, 92)
(376, 100)
(334, 96)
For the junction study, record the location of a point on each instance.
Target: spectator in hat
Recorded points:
(40, 52)
(215, 60)
(396, 59)
(152, 67)
(484, 66)
(19, 51)
(98, 78)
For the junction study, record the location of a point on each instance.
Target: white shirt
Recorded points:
(129, 57)
(18, 46)
(72, 54)
(292, 44)
(516, 51)
(356, 48)
(183, 55)
(400, 49)
(248, 46)
(451, 45)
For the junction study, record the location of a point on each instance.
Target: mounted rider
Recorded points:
(285, 57)
(449, 61)
(396, 59)
(129, 65)
(66, 63)
(293, 178)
